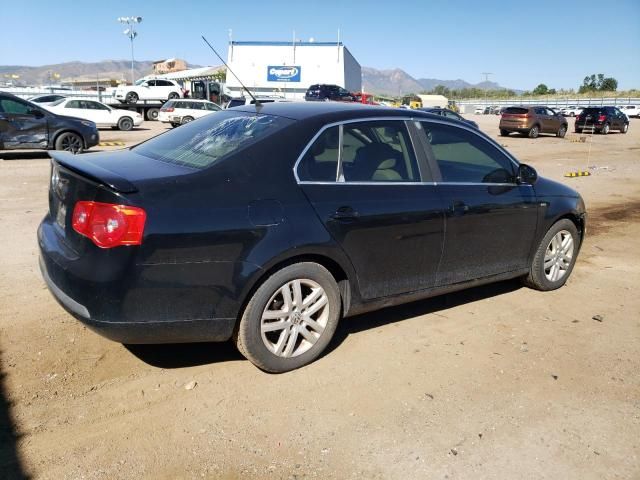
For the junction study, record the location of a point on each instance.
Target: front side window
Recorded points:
(203, 143)
(8, 105)
(74, 104)
(465, 157)
(213, 106)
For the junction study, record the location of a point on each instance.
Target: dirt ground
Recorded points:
(498, 382)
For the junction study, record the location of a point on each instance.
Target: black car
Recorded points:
(26, 125)
(268, 224)
(602, 119)
(445, 112)
(323, 93)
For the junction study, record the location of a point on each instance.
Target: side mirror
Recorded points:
(527, 175)
(36, 113)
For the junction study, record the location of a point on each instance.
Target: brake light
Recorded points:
(167, 109)
(109, 225)
(602, 118)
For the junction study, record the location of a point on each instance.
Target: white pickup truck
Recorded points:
(149, 89)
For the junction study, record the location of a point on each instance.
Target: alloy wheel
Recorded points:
(71, 143)
(558, 256)
(295, 318)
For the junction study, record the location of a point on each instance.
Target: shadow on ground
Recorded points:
(22, 155)
(193, 354)
(10, 466)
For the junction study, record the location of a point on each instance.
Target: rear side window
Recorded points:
(516, 110)
(212, 106)
(201, 144)
(320, 162)
(464, 157)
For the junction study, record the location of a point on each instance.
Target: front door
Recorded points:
(374, 204)
(490, 219)
(22, 125)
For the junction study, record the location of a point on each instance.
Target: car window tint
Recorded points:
(236, 102)
(201, 144)
(451, 114)
(8, 105)
(386, 154)
(73, 104)
(320, 162)
(212, 106)
(463, 156)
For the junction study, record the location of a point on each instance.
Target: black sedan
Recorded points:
(25, 125)
(267, 224)
(445, 112)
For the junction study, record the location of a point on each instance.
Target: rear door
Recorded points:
(102, 114)
(364, 181)
(554, 121)
(22, 125)
(490, 219)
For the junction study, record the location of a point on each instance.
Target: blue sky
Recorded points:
(522, 43)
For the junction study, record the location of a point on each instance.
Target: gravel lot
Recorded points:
(494, 382)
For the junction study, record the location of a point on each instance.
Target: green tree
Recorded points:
(541, 89)
(609, 84)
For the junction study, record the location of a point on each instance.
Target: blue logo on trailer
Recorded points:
(281, 73)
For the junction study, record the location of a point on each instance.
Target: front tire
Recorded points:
(290, 319)
(504, 133)
(69, 142)
(125, 124)
(555, 257)
(131, 97)
(534, 132)
(625, 128)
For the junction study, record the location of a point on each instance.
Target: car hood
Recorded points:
(550, 188)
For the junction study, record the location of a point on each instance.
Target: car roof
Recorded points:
(201, 100)
(337, 110)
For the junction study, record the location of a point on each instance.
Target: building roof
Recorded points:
(288, 44)
(191, 74)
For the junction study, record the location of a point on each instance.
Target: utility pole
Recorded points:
(486, 80)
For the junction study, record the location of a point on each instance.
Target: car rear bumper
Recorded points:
(134, 313)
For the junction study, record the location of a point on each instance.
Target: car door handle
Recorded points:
(459, 207)
(345, 214)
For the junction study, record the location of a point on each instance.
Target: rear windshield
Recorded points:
(516, 110)
(200, 144)
(592, 111)
(236, 102)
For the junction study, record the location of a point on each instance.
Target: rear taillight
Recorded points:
(602, 118)
(109, 225)
(167, 109)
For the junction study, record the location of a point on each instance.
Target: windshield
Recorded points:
(57, 102)
(202, 143)
(140, 82)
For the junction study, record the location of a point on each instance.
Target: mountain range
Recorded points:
(393, 82)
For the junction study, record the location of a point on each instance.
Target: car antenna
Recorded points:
(255, 100)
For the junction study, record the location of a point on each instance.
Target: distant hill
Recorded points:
(112, 69)
(395, 82)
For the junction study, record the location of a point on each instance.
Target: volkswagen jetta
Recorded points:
(267, 224)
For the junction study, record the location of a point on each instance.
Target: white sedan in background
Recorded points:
(177, 112)
(99, 113)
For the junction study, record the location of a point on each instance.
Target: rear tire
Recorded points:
(69, 142)
(605, 129)
(562, 131)
(174, 125)
(276, 332)
(173, 96)
(186, 120)
(625, 128)
(555, 257)
(152, 114)
(131, 97)
(504, 133)
(534, 132)
(125, 124)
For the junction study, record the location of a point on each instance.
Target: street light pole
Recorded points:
(131, 33)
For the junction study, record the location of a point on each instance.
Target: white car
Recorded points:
(479, 110)
(572, 111)
(630, 110)
(149, 89)
(99, 113)
(177, 112)
(237, 101)
(47, 99)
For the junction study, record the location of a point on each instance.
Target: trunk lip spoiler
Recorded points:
(82, 165)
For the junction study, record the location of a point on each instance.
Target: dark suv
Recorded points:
(602, 119)
(25, 125)
(322, 92)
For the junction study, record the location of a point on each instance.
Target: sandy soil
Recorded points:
(495, 382)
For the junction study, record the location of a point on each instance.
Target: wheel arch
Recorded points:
(57, 134)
